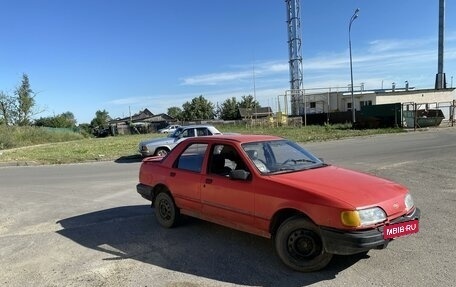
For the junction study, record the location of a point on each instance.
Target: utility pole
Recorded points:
(440, 81)
(355, 15)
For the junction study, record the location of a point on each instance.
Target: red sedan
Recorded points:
(273, 187)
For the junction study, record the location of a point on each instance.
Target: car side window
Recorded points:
(202, 132)
(188, 133)
(225, 158)
(218, 164)
(192, 158)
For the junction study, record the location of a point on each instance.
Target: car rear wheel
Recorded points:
(166, 211)
(299, 245)
(161, 152)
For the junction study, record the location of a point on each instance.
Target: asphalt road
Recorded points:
(85, 225)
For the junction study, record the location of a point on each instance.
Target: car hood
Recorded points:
(159, 141)
(354, 188)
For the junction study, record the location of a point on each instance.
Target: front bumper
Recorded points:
(145, 154)
(344, 242)
(146, 151)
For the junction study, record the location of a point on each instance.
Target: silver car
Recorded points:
(161, 146)
(169, 129)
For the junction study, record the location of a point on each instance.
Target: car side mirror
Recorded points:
(239, 174)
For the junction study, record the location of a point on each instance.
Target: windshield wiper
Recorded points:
(289, 169)
(319, 165)
(295, 161)
(282, 170)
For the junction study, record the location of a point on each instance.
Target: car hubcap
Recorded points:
(165, 210)
(303, 244)
(161, 152)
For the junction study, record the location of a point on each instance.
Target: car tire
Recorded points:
(161, 152)
(298, 244)
(166, 211)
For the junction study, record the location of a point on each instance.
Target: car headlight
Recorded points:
(408, 202)
(363, 217)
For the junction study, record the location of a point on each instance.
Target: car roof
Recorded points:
(197, 126)
(240, 138)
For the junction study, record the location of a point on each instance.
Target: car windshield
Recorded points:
(280, 156)
(176, 133)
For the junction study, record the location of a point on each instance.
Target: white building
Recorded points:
(333, 101)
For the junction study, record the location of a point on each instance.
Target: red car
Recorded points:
(273, 187)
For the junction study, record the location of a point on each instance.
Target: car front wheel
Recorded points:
(166, 211)
(161, 152)
(299, 245)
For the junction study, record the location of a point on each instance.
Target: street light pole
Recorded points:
(355, 15)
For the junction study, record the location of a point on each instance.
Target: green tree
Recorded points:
(64, 120)
(69, 118)
(6, 108)
(198, 109)
(229, 109)
(25, 103)
(85, 129)
(175, 112)
(249, 102)
(101, 119)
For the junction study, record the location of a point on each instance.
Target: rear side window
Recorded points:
(203, 132)
(192, 157)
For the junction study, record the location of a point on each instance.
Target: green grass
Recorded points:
(34, 149)
(309, 133)
(87, 149)
(14, 137)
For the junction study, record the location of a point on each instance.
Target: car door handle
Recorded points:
(208, 180)
(172, 174)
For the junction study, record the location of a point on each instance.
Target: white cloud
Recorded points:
(381, 62)
(385, 45)
(216, 78)
(328, 62)
(245, 73)
(127, 101)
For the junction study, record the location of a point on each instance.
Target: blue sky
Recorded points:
(88, 55)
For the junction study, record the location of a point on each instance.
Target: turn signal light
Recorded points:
(350, 218)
